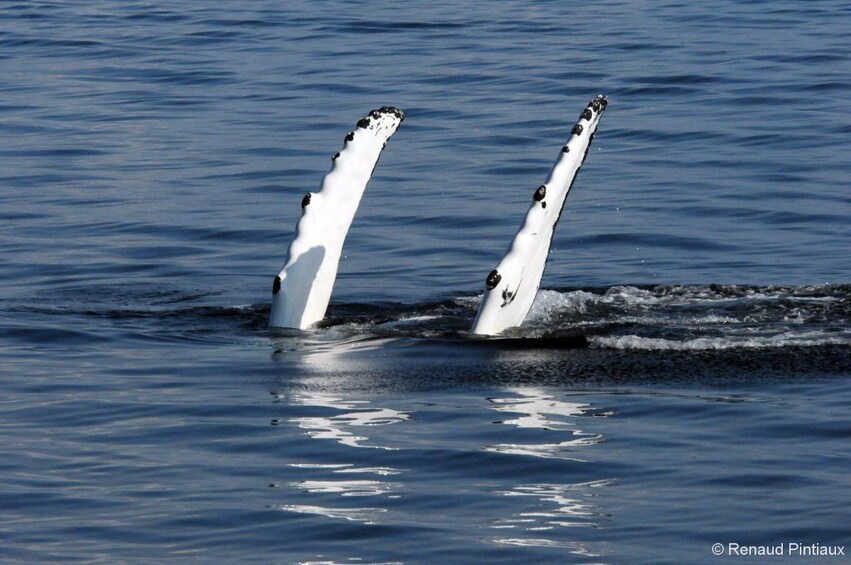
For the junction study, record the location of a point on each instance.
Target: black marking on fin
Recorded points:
(577, 129)
(587, 114)
(276, 286)
(391, 110)
(335, 155)
(350, 136)
(306, 200)
(507, 297)
(541, 193)
(565, 149)
(493, 279)
(363, 123)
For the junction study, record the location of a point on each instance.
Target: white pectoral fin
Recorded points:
(510, 289)
(302, 289)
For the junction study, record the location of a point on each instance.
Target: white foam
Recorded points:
(405, 322)
(629, 295)
(719, 343)
(550, 302)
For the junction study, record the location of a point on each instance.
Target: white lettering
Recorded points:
(815, 549)
(747, 550)
(792, 548)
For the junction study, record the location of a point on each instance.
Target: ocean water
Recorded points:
(682, 380)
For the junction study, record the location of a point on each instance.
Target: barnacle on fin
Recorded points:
(493, 279)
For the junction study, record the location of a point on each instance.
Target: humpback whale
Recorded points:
(302, 289)
(510, 288)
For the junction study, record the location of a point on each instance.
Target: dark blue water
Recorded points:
(152, 162)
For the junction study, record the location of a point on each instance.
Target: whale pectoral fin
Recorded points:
(510, 289)
(291, 289)
(302, 289)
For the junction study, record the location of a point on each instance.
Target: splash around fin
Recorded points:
(302, 289)
(510, 288)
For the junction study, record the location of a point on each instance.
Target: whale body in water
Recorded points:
(302, 289)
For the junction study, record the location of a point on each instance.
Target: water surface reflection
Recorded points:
(329, 484)
(350, 426)
(375, 459)
(539, 410)
(541, 513)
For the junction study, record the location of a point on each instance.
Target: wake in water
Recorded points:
(614, 336)
(713, 317)
(621, 335)
(701, 317)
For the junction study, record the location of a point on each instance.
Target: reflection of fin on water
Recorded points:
(512, 286)
(302, 288)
